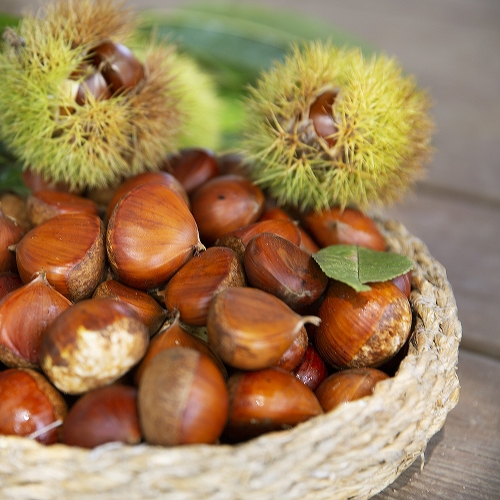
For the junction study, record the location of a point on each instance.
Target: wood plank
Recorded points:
(462, 461)
(464, 235)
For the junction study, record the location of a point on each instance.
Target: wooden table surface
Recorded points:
(453, 48)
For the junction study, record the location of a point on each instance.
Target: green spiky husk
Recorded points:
(382, 143)
(101, 141)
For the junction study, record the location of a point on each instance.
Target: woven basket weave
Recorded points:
(353, 452)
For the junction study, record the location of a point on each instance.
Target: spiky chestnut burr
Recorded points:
(328, 126)
(97, 140)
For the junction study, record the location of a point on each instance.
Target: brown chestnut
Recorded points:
(92, 344)
(267, 400)
(172, 334)
(146, 307)
(10, 234)
(182, 399)
(278, 266)
(144, 178)
(151, 234)
(362, 329)
(103, 415)
(312, 369)
(321, 114)
(347, 226)
(225, 203)
(25, 314)
(69, 248)
(348, 385)
(47, 203)
(192, 167)
(191, 290)
(119, 67)
(30, 406)
(9, 281)
(251, 329)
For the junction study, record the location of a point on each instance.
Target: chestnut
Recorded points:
(191, 290)
(9, 281)
(251, 329)
(182, 399)
(10, 234)
(47, 203)
(321, 115)
(295, 353)
(144, 178)
(171, 335)
(150, 235)
(30, 406)
(278, 266)
(312, 370)
(25, 314)
(267, 400)
(348, 385)
(146, 307)
(362, 329)
(120, 69)
(103, 415)
(225, 203)
(69, 248)
(92, 344)
(348, 226)
(192, 167)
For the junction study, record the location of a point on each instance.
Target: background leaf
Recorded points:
(235, 43)
(7, 20)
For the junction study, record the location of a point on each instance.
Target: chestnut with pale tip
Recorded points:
(70, 249)
(182, 399)
(362, 329)
(251, 329)
(92, 344)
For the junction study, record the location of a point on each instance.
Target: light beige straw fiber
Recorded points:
(353, 452)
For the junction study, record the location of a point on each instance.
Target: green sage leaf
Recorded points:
(356, 266)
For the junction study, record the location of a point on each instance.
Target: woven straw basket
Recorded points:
(353, 452)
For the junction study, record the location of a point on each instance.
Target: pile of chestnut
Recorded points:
(182, 307)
